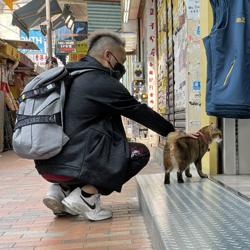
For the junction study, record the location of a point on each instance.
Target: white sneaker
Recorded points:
(89, 207)
(53, 200)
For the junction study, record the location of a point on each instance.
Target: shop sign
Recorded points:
(81, 30)
(10, 52)
(75, 57)
(39, 59)
(9, 3)
(151, 53)
(82, 47)
(65, 47)
(36, 37)
(193, 9)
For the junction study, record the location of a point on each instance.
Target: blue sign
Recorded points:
(81, 29)
(38, 38)
(197, 85)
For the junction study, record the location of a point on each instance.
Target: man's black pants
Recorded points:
(139, 157)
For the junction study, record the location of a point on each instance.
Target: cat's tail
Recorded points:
(180, 145)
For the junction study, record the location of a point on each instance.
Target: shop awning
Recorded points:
(20, 44)
(33, 14)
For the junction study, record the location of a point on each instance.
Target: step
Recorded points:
(198, 214)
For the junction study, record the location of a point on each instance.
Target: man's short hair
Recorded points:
(100, 39)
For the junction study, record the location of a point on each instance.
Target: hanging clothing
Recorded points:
(228, 60)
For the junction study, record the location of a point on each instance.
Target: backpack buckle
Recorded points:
(56, 118)
(50, 86)
(52, 118)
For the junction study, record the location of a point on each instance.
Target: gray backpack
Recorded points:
(39, 132)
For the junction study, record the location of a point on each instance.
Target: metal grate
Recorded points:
(198, 214)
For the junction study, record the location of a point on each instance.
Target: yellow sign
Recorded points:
(9, 3)
(82, 47)
(7, 51)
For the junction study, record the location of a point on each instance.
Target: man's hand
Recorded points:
(194, 135)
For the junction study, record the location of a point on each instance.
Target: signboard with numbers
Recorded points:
(65, 47)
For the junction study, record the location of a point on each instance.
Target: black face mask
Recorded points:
(118, 70)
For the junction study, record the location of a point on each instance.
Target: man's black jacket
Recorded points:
(98, 154)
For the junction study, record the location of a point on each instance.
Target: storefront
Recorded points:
(23, 74)
(169, 52)
(16, 69)
(8, 60)
(165, 51)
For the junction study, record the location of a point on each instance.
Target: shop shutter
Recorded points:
(104, 15)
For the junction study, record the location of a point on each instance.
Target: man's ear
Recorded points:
(107, 55)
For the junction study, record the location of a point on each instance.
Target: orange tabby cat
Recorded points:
(181, 150)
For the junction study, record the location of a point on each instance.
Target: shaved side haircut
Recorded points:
(102, 40)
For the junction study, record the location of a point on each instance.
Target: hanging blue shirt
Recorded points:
(228, 60)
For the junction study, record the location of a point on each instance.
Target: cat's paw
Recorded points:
(167, 181)
(204, 176)
(179, 178)
(180, 181)
(188, 175)
(167, 178)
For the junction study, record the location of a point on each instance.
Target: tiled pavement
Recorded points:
(25, 223)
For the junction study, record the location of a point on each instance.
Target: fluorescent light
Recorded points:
(127, 5)
(126, 11)
(125, 17)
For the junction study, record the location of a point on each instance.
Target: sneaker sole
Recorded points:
(57, 207)
(54, 205)
(93, 218)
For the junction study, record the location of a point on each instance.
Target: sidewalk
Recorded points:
(25, 223)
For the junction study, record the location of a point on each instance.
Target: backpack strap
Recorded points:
(79, 72)
(37, 92)
(25, 120)
(48, 88)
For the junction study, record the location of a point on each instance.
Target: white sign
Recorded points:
(193, 9)
(39, 59)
